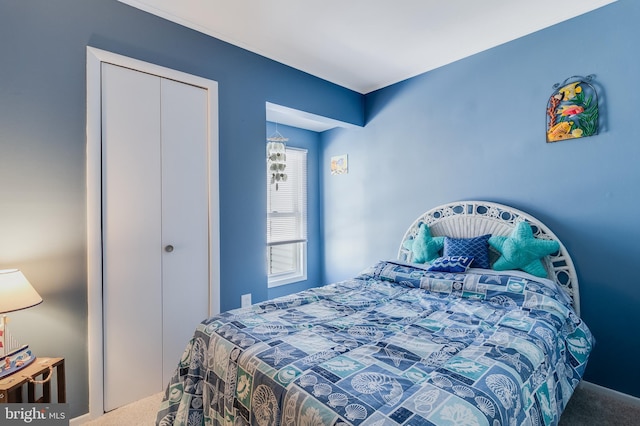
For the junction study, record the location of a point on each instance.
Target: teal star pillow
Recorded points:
(521, 250)
(424, 247)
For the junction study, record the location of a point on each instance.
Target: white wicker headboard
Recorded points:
(466, 219)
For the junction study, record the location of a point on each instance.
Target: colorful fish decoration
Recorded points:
(572, 110)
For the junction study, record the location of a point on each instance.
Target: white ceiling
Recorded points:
(365, 45)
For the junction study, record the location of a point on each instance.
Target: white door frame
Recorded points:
(95, 57)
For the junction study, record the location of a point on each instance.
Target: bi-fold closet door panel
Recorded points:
(155, 228)
(185, 217)
(132, 235)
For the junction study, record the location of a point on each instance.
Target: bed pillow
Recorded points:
(476, 247)
(424, 247)
(521, 250)
(454, 264)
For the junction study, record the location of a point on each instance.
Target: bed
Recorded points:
(438, 342)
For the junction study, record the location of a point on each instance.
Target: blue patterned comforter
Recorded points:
(396, 345)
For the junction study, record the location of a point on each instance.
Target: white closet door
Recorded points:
(156, 228)
(185, 223)
(132, 270)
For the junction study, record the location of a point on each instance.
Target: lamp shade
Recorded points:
(16, 291)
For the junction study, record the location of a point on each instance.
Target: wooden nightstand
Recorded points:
(11, 386)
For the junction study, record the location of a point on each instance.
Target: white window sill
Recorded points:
(277, 282)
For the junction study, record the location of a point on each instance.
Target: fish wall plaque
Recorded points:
(572, 109)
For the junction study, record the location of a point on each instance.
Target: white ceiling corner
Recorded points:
(304, 120)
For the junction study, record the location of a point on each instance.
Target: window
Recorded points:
(287, 222)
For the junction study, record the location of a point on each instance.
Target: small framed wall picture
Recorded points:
(339, 165)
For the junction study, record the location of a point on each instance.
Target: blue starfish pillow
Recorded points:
(424, 247)
(521, 250)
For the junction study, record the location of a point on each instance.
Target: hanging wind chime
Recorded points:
(277, 157)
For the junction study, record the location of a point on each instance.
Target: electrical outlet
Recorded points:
(245, 300)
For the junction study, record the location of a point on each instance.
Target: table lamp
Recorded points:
(15, 293)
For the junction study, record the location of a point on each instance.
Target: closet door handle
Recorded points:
(168, 248)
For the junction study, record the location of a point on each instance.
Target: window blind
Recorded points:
(287, 205)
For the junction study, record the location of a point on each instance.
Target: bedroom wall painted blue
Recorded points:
(475, 129)
(309, 140)
(42, 165)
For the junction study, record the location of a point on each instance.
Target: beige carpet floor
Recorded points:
(586, 408)
(139, 413)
